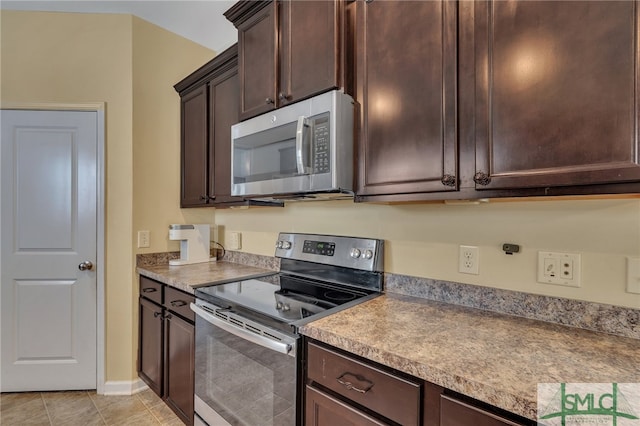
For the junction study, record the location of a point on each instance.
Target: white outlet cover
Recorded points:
(559, 268)
(469, 260)
(633, 275)
(235, 241)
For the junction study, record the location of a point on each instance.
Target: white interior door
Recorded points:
(48, 228)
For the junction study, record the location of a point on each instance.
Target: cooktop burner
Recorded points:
(339, 296)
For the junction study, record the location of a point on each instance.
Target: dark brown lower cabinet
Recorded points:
(345, 389)
(150, 345)
(167, 345)
(180, 346)
(324, 410)
(457, 413)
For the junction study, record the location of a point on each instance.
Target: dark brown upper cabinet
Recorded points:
(288, 50)
(406, 88)
(497, 99)
(556, 93)
(194, 153)
(209, 107)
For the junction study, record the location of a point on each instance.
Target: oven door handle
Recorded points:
(265, 342)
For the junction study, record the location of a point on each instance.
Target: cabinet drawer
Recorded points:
(393, 397)
(178, 302)
(151, 289)
(456, 413)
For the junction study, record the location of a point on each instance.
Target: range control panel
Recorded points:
(319, 247)
(349, 252)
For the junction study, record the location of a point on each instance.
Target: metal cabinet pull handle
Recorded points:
(157, 314)
(85, 266)
(178, 303)
(349, 385)
(284, 97)
(168, 316)
(269, 101)
(149, 290)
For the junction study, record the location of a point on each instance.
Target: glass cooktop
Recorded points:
(280, 296)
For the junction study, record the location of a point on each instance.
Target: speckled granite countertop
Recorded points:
(495, 358)
(188, 277)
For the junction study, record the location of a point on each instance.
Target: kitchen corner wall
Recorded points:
(160, 60)
(422, 239)
(130, 65)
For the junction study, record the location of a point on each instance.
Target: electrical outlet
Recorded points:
(235, 241)
(559, 268)
(469, 260)
(633, 275)
(144, 239)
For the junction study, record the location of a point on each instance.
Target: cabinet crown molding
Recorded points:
(244, 9)
(218, 65)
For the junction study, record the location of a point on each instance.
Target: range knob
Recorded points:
(355, 253)
(285, 307)
(278, 244)
(278, 305)
(286, 245)
(368, 254)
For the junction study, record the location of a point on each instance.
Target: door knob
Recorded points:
(85, 266)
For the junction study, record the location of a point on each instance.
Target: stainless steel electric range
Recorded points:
(248, 351)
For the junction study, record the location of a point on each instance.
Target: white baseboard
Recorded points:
(124, 387)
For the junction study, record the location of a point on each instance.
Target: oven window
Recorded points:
(246, 384)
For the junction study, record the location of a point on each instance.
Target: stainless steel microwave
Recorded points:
(303, 148)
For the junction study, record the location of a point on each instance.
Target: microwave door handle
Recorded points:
(302, 123)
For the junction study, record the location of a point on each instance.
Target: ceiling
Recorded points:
(200, 21)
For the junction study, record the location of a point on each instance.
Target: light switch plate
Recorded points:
(144, 238)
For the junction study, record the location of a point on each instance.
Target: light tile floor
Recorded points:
(83, 408)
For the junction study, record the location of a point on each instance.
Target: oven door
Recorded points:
(246, 373)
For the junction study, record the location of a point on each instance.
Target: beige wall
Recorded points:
(422, 240)
(130, 65)
(160, 59)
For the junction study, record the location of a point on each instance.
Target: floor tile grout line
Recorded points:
(146, 407)
(46, 410)
(97, 409)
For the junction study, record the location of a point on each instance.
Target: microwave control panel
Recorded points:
(321, 154)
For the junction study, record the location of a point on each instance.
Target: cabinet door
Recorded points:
(456, 413)
(556, 93)
(150, 350)
(180, 368)
(324, 410)
(406, 87)
(310, 48)
(258, 62)
(224, 104)
(194, 152)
